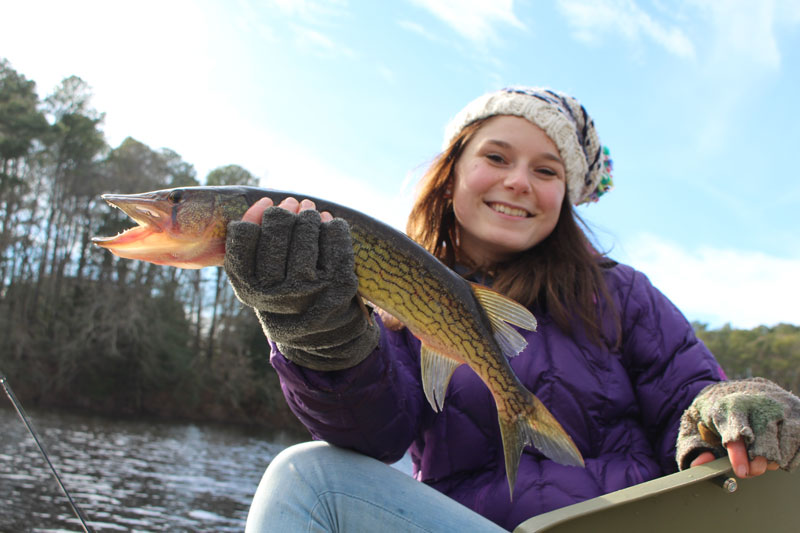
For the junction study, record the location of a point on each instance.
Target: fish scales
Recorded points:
(453, 324)
(429, 310)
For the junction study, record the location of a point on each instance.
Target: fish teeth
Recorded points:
(506, 210)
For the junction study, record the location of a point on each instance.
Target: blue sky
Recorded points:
(347, 100)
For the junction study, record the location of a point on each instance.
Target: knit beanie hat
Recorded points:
(564, 120)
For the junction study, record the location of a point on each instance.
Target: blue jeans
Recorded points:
(317, 487)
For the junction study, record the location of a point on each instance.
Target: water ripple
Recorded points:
(131, 475)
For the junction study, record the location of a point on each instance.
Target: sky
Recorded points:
(347, 100)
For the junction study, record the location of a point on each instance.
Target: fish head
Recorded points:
(183, 227)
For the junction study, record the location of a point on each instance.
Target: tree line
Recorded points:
(768, 352)
(82, 328)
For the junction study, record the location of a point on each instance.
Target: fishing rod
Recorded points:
(25, 420)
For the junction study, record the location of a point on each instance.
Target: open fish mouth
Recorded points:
(159, 235)
(143, 209)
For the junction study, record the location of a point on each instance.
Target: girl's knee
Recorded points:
(305, 458)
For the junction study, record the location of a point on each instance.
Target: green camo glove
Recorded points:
(298, 274)
(755, 410)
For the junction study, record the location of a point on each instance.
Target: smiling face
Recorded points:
(508, 191)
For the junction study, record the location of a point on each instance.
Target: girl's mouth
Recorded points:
(508, 210)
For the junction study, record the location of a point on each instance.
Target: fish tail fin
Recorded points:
(533, 424)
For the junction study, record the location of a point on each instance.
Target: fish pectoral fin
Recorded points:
(504, 308)
(437, 369)
(509, 340)
(502, 311)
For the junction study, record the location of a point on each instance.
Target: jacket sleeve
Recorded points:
(374, 407)
(667, 364)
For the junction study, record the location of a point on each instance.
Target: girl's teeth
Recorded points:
(509, 210)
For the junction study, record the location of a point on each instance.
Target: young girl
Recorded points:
(614, 361)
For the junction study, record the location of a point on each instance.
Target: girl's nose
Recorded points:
(518, 180)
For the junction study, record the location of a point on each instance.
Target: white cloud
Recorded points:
(743, 32)
(285, 165)
(788, 11)
(151, 89)
(473, 19)
(386, 73)
(246, 20)
(419, 30)
(733, 35)
(718, 286)
(592, 19)
(169, 90)
(311, 10)
(308, 21)
(318, 42)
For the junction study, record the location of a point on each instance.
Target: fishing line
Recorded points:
(25, 420)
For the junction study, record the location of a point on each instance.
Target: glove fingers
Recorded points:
(337, 263)
(733, 425)
(277, 226)
(301, 262)
(768, 443)
(336, 257)
(789, 439)
(299, 276)
(241, 243)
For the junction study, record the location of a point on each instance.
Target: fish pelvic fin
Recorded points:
(534, 425)
(437, 369)
(502, 311)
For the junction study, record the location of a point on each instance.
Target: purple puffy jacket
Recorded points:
(621, 407)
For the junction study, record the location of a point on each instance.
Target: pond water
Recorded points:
(130, 474)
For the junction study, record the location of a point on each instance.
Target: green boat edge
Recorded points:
(693, 500)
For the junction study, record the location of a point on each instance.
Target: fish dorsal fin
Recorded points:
(437, 369)
(502, 311)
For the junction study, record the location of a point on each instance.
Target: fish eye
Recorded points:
(175, 196)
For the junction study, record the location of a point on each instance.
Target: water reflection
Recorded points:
(130, 474)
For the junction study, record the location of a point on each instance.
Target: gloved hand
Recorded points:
(298, 275)
(757, 411)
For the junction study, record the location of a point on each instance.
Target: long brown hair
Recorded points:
(562, 274)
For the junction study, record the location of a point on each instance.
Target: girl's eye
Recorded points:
(495, 158)
(547, 172)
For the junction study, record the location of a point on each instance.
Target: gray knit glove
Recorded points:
(298, 274)
(756, 410)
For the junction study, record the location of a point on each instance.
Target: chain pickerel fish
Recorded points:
(456, 321)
